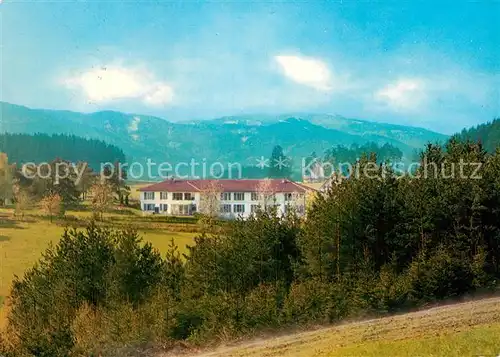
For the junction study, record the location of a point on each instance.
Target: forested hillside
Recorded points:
(22, 148)
(488, 134)
(241, 139)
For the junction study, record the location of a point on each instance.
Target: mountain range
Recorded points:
(240, 139)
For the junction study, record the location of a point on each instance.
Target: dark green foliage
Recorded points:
(137, 268)
(351, 154)
(260, 250)
(488, 134)
(442, 275)
(38, 148)
(173, 271)
(314, 300)
(279, 164)
(96, 268)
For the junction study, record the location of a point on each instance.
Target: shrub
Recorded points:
(262, 306)
(94, 269)
(316, 301)
(442, 275)
(391, 290)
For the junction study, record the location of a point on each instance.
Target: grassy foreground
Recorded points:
(23, 241)
(466, 329)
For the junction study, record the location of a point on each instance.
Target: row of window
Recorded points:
(176, 196)
(152, 207)
(237, 196)
(240, 196)
(237, 208)
(240, 208)
(189, 209)
(175, 209)
(225, 196)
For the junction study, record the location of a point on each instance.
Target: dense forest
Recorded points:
(22, 148)
(372, 244)
(293, 168)
(488, 134)
(386, 152)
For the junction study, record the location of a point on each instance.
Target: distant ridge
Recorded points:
(227, 139)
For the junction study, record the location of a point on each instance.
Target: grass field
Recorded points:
(22, 242)
(466, 329)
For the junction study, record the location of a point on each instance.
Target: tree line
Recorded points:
(58, 185)
(38, 148)
(488, 134)
(281, 164)
(368, 245)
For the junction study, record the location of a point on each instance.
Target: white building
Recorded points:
(229, 198)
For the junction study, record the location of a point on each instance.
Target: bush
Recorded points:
(109, 331)
(262, 306)
(204, 317)
(442, 275)
(316, 301)
(94, 269)
(391, 291)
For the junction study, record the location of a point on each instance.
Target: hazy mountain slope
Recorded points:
(380, 133)
(235, 139)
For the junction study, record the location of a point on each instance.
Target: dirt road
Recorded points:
(437, 321)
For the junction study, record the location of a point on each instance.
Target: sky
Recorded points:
(428, 63)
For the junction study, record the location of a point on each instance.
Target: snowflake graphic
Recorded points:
(280, 162)
(262, 162)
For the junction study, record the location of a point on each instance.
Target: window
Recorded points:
(177, 196)
(288, 196)
(225, 208)
(254, 208)
(149, 195)
(149, 207)
(188, 196)
(239, 196)
(183, 210)
(255, 196)
(163, 195)
(164, 207)
(239, 208)
(225, 196)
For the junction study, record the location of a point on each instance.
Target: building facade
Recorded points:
(224, 198)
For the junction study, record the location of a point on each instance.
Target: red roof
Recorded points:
(273, 185)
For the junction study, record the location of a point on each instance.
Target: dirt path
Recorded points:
(426, 323)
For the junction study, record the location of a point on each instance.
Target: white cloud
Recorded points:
(402, 95)
(307, 71)
(115, 82)
(160, 94)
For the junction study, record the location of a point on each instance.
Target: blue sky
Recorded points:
(431, 64)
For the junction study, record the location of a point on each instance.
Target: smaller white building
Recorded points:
(226, 198)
